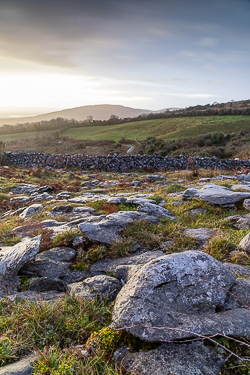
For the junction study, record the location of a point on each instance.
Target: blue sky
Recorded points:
(145, 54)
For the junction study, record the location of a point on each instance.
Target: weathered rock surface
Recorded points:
(32, 296)
(108, 229)
(184, 295)
(215, 194)
(44, 284)
(153, 209)
(123, 268)
(54, 263)
(31, 210)
(239, 295)
(246, 203)
(13, 258)
(243, 178)
(241, 222)
(101, 286)
(21, 367)
(172, 359)
(239, 270)
(200, 234)
(240, 187)
(245, 243)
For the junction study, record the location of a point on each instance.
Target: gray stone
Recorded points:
(241, 222)
(246, 203)
(121, 267)
(243, 178)
(21, 200)
(41, 197)
(109, 228)
(52, 223)
(44, 284)
(239, 295)
(25, 189)
(200, 234)
(62, 209)
(100, 286)
(173, 359)
(32, 296)
(153, 209)
(21, 367)
(13, 258)
(197, 211)
(215, 194)
(54, 263)
(245, 243)
(240, 187)
(31, 210)
(239, 270)
(184, 296)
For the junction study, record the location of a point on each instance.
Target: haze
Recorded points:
(139, 53)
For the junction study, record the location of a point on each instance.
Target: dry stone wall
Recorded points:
(117, 162)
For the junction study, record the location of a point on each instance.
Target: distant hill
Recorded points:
(98, 112)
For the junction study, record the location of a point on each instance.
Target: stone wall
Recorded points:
(117, 162)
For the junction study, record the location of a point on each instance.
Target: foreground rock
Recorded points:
(101, 286)
(200, 234)
(124, 268)
(184, 295)
(22, 367)
(109, 228)
(54, 263)
(173, 359)
(215, 194)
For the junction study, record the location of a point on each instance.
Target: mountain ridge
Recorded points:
(98, 112)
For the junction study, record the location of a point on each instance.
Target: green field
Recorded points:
(17, 136)
(167, 129)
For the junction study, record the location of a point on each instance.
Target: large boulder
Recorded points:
(216, 194)
(245, 243)
(172, 359)
(179, 296)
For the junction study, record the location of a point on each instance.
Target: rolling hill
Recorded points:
(98, 112)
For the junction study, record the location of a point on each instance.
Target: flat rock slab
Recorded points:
(182, 294)
(173, 359)
(32, 296)
(108, 229)
(100, 286)
(200, 234)
(22, 367)
(216, 194)
(240, 187)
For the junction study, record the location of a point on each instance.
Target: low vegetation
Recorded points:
(63, 331)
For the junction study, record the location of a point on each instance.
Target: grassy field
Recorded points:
(167, 129)
(18, 136)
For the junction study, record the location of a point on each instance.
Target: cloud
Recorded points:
(192, 95)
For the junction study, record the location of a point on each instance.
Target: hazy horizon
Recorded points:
(57, 55)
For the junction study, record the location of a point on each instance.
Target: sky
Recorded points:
(150, 54)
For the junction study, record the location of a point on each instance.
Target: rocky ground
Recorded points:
(129, 273)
